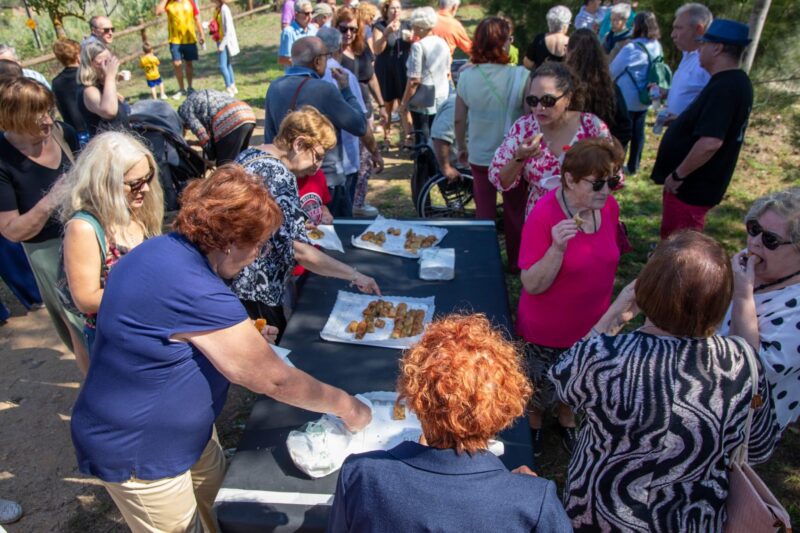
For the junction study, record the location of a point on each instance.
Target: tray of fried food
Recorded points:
(386, 321)
(398, 237)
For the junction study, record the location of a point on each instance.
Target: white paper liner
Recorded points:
(283, 353)
(349, 306)
(330, 240)
(394, 244)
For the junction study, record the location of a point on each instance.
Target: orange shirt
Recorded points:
(451, 30)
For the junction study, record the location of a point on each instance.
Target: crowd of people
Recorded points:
(160, 341)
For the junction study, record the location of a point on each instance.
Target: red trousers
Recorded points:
(677, 215)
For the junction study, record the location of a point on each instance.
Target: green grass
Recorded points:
(770, 160)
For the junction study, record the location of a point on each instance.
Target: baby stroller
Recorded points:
(431, 193)
(162, 130)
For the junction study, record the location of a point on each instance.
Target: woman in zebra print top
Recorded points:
(665, 406)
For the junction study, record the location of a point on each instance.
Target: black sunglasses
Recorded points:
(138, 185)
(598, 184)
(106, 30)
(770, 240)
(346, 29)
(547, 100)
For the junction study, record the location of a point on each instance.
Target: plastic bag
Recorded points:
(437, 264)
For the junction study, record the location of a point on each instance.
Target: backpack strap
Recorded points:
(98, 231)
(293, 105)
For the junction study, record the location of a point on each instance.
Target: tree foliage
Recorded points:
(57, 11)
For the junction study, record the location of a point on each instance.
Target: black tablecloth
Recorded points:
(263, 490)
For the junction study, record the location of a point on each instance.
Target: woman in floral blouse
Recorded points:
(533, 149)
(303, 138)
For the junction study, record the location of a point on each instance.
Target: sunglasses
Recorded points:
(306, 13)
(770, 240)
(348, 29)
(547, 100)
(597, 185)
(137, 185)
(106, 30)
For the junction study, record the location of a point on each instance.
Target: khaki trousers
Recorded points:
(181, 504)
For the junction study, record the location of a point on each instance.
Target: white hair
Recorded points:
(298, 6)
(558, 18)
(698, 14)
(622, 10)
(331, 38)
(5, 48)
(423, 18)
(447, 4)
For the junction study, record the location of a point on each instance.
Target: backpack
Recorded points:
(658, 73)
(62, 284)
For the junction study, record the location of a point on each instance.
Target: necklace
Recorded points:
(776, 282)
(594, 218)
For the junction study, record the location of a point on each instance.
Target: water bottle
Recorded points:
(655, 97)
(661, 120)
(83, 139)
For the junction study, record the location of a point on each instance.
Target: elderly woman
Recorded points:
(110, 202)
(34, 152)
(391, 52)
(221, 123)
(619, 33)
(428, 67)
(171, 336)
(596, 92)
(465, 383)
(550, 46)
(98, 101)
(666, 403)
(629, 70)
(568, 258)
(531, 153)
(489, 101)
(766, 296)
(303, 138)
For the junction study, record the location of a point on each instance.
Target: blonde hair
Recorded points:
(86, 74)
(23, 101)
(96, 184)
(306, 122)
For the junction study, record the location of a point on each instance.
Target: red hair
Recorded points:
(346, 14)
(464, 381)
(489, 42)
(230, 206)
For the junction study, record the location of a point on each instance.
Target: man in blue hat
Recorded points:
(699, 151)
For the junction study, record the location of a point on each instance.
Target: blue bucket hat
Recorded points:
(726, 31)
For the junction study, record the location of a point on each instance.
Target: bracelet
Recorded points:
(355, 275)
(381, 105)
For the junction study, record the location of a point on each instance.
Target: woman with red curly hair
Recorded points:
(171, 336)
(489, 101)
(465, 383)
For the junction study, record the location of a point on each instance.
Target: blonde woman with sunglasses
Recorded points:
(110, 202)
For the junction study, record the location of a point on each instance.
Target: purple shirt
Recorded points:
(287, 13)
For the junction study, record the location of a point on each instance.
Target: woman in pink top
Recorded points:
(568, 258)
(534, 147)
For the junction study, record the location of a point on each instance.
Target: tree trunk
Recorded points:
(757, 18)
(58, 25)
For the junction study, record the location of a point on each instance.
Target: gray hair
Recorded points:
(623, 10)
(306, 49)
(558, 18)
(698, 14)
(331, 38)
(423, 18)
(298, 6)
(785, 204)
(447, 4)
(6, 48)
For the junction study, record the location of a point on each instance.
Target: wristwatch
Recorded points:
(675, 176)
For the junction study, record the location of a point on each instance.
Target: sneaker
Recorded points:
(189, 91)
(395, 117)
(231, 91)
(569, 437)
(365, 211)
(178, 95)
(235, 90)
(164, 96)
(9, 511)
(536, 441)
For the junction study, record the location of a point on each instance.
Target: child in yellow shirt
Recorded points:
(149, 63)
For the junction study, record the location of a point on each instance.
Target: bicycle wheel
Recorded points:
(440, 199)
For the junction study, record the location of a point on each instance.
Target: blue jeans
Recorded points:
(637, 140)
(225, 67)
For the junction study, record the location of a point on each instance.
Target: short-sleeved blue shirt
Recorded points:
(148, 404)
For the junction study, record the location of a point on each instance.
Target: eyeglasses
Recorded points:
(598, 184)
(770, 240)
(547, 100)
(348, 29)
(325, 56)
(110, 29)
(316, 157)
(137, 185)
(47, 118)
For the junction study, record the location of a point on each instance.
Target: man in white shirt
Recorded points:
(590, 16)
(691, 22)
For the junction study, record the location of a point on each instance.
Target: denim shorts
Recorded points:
(187, 52)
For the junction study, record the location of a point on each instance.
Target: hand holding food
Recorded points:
(529, 148)
(743, 266)
(563, 232)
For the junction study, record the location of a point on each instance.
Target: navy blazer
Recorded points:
(416, 488)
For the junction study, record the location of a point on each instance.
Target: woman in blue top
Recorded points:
(629, 70)
(171, 336)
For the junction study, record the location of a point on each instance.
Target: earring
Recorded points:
(228, 251)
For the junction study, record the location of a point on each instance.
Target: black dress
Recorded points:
(363, 66)
(96, 124)
(65, 89)
(538, 53)
(390, 65)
